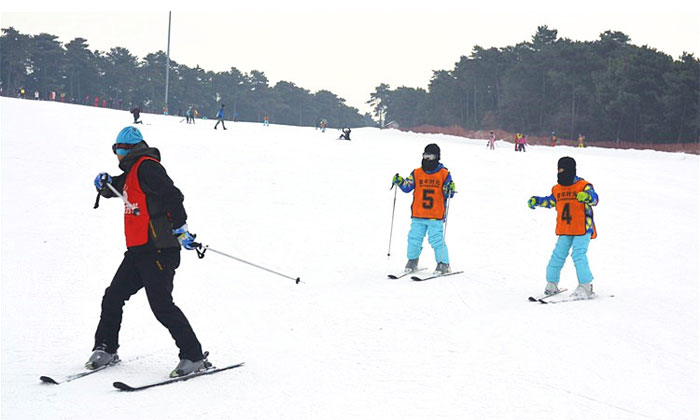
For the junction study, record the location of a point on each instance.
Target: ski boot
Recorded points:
(551, 288)
(187, 367)
(100, 357)
(583, 291)
(442, 268)
(411, 266)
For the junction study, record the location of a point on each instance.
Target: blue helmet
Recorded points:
(126, 140)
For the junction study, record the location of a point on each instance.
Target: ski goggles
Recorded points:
(124, 146)
(429, 156)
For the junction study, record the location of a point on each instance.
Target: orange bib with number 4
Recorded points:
(571, 213)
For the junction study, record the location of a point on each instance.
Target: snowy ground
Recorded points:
(347, 343)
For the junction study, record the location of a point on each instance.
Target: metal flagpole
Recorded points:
(167, 66)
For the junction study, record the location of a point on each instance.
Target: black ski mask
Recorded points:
(431, 158)
(566, 171)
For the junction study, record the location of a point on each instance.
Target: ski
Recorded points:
(575, 299)
(543, 297)
(405, 273)
(50, 380)
(124, 387)
(434, 276)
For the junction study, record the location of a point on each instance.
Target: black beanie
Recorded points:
(566, 171)
(429, 165)
(433, 149)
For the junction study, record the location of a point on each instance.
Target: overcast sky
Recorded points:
(351, 48)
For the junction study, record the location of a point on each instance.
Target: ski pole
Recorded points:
(200, 254)
(393, 209)
(444, 230)
(128, 204)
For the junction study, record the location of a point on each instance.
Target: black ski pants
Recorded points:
(155, 272)
(220, 120)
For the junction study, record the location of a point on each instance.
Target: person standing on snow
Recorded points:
(154, 233)
(137, 114)
(573, 197)
(431, 185)
(220, 117)
(492, 141)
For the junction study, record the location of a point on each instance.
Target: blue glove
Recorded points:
(532, 202)
(185, 238)
(101, 179)
(449, 189)
(583, 197)
(397, 180)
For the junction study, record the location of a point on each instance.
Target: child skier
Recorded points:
(573, 198)
(431, 185)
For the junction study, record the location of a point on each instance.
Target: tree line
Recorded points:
(608, 90)
(118, 79)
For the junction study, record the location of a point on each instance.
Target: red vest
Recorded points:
(428, 199)
(571, 215)
(136, 227)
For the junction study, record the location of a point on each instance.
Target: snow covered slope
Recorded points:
(346, 343)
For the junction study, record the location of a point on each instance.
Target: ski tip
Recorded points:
(47, 380)
(532, 299)
(122, 386)
(392, 276)
(298, 280)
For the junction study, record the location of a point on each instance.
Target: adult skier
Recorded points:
(137, 113)
(431, 185)
(154, 233)
(220, 117)
(346, 134)
(574, 198)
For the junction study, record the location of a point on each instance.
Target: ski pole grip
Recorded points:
(197, 246)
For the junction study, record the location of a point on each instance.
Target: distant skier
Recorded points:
(554, 139)
(323, 125)
(581, 139)
(153, 238)
(431, 185)
(137, 114)
(574, 198)
(520, 142)
(220, 117)
(189, 115)
(266, 121)
(346, 134)
(492, 140)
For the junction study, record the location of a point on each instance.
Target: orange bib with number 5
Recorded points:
(428, 200)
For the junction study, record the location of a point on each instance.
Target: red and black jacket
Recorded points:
(147, 185)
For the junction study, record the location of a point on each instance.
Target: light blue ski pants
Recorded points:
(436, 238)
(579, 247)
